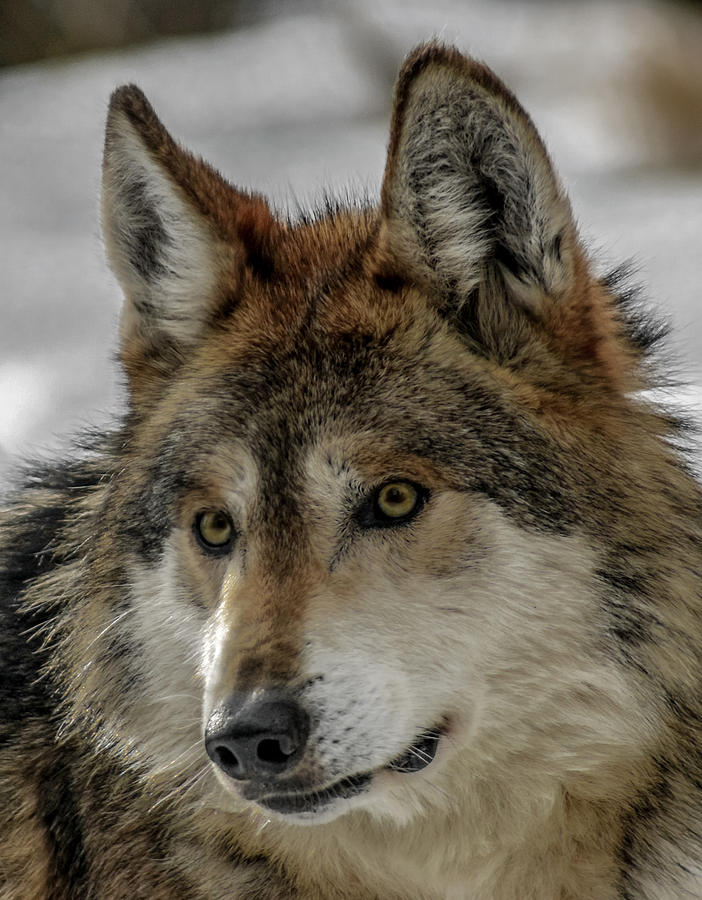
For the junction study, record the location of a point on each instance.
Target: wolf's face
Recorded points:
(352, 520)
(314, 510)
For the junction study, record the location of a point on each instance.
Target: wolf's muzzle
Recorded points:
(257, 735)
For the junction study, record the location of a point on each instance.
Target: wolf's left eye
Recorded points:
(397, 499)
(214, 530)
(393, 503)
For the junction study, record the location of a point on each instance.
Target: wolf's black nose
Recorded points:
(257, 735)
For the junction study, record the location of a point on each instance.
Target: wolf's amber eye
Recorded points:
(397, 500)
(215, 530)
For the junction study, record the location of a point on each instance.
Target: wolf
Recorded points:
(388, 583)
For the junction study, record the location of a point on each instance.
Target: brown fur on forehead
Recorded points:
(322, 279)
(326, 242)
(326, 273)
(325, 288)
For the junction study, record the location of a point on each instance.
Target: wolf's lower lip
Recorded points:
(315, 800)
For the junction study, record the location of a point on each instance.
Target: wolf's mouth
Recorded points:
(315, 800)
(417, 757)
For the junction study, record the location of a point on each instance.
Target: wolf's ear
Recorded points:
(178, 237)
(473, 211)
(469, 183)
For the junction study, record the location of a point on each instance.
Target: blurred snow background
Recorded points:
(292, 97)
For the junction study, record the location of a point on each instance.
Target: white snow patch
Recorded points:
(25, 396)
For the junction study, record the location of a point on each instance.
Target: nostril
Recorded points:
(225, 759)
(274, 751)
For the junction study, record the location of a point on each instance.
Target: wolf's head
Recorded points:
(370, 499)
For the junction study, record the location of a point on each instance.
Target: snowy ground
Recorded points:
(298, 103)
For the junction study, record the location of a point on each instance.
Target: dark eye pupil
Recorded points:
(395, 495)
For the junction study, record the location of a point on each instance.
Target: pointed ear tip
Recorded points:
(127, 97)
(129, 101)
(436, 52)
(423, 55)
(435, 48)
(129, 111)
(437, 55)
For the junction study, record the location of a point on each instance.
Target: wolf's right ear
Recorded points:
(178, 238)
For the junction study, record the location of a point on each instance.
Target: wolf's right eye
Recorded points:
(214, 530)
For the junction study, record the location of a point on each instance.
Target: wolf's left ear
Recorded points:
(178, 237)
(468, 182)
(473, 211)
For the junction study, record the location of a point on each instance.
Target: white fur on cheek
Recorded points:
(504, 650)
(169, 629)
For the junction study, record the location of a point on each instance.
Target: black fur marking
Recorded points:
(645, 331)
(556, 247)
(261, 263)
(628, 625)
(69, 476)
(61, 818)
(145, 241)
(466, 319)
(629, 582)
(627, 608)
(222, 312)
(389, 282)
(31, 552)
(145, 516)
(510, 261)
(26, 554)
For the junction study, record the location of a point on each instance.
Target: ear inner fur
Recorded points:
(178, 237)
(473, 212)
